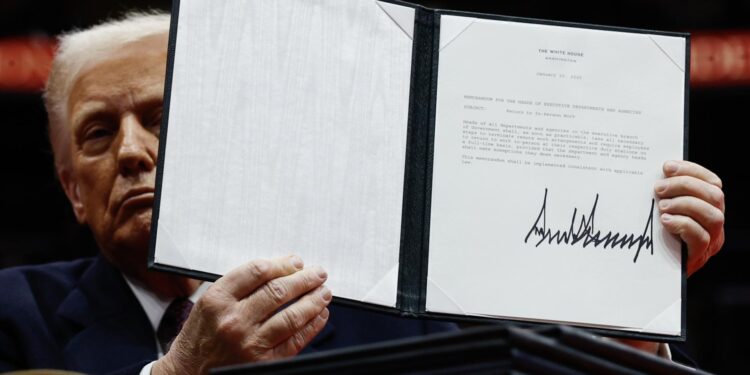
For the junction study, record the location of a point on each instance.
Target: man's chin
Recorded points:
(135, 233)
(133, 215)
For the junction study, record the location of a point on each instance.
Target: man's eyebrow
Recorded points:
(87, 110)
(150, 102)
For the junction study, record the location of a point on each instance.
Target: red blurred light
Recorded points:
(717, 59)
(25, 63)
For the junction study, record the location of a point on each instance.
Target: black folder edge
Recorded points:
(411, 297)
(412, 275)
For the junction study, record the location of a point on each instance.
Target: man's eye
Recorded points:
(97, 132)
(155, 119)
(97, 138)
(153, 122)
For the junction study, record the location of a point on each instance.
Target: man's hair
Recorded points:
(77, 50)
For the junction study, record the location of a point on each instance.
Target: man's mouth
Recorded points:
(138, 197)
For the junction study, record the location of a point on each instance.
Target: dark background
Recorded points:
(37, 224)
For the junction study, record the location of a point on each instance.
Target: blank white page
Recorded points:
(287, 134)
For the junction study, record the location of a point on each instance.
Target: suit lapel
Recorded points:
(114, 330)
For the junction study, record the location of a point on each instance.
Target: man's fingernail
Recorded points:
(660, 186)
(297, 262)
(663, 204)
(670, 167)
(666, 217)
(326, 294)
(324, 314)
(321, 272)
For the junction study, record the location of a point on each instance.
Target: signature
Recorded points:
(588, 235)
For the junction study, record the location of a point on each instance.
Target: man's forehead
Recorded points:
(120, 75)
(137, 70)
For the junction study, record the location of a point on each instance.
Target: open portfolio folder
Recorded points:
(435, 163)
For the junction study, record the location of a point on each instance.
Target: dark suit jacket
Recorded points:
(82, 316)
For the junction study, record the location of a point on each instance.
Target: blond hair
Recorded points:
(80, 48)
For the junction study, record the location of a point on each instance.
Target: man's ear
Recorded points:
(72, 190)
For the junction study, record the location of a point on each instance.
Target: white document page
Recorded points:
(548, 141)
(287, 134)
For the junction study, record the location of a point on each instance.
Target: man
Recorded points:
(109, 314)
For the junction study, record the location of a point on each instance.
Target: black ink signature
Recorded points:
(589, 235)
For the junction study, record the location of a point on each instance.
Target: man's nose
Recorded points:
(136, 152)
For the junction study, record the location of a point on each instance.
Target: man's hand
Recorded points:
(692, 206)
(242, 317)
(691, 203)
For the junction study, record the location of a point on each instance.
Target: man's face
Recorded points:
(115, 112)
